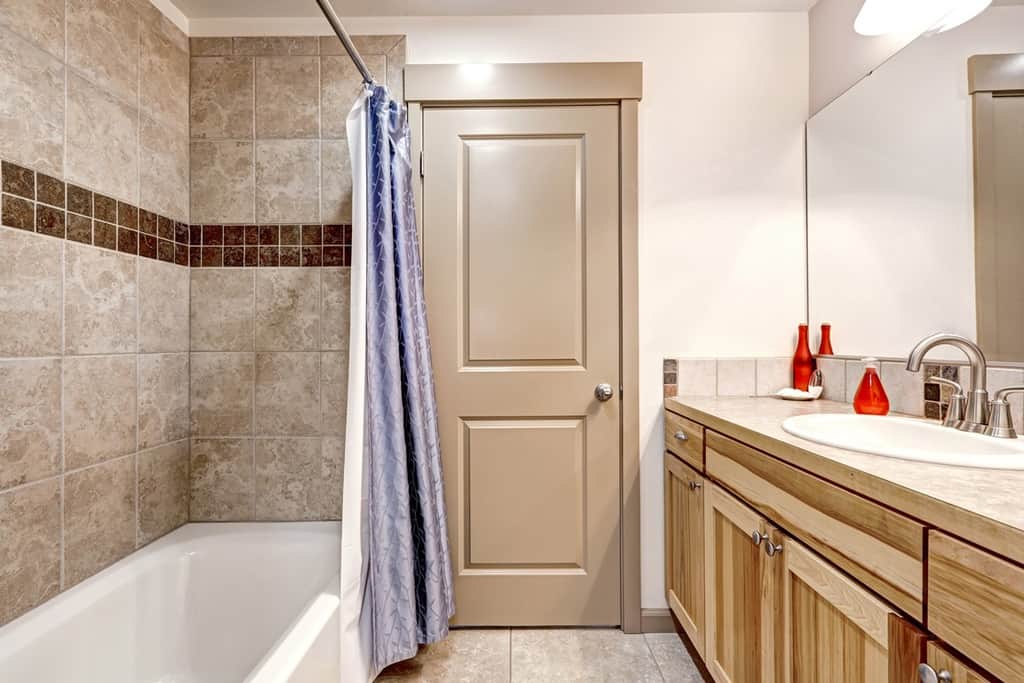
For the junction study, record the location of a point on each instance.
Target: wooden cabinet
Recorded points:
(685, 438)
(950, 669)
(684, 547)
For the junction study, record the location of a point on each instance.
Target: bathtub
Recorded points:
(208, 603)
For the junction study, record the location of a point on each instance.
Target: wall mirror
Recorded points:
(915, 196)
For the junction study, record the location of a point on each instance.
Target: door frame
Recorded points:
(540, 84)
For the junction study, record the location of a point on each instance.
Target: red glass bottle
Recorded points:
(803, 362)
(870, 398)
(825, 349)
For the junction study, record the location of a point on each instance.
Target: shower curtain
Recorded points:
(396, 577)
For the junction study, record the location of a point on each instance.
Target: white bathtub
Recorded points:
(208, 603)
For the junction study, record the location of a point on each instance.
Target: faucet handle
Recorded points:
(1000, 420)
(957, 402)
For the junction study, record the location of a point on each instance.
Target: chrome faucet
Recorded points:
(976, 412)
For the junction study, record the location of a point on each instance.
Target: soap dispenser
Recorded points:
(870, 398)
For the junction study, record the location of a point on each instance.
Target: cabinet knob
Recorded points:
(757, 537)
(928, 675)
(771, 549)
(681, 436)
(694, 485)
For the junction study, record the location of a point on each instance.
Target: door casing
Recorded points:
(618, 83)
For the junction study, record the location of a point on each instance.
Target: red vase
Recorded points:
(825, 349)
(870, 398)
(803, 362)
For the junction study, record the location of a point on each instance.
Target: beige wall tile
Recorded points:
(30, 294)
(210, 47)
(288, 394)
(164, 78)
(833, 377)
(297, 480)
(854, 374)
(736, 377)
(32, 106)
(29, 421)
(99, 409)
(222, 182)
(286, 97)
(222, 487)
(1001, 378)
(697, 377)
(333, 391)
(99, 518)
(163, 490)
(334, 325)
(164, 170)
(100, 298)
(287, 181)
(102, 141)
(40, 21)
(366, 44)
(163, 307)
(221, 394)
(222, 97)
(222, 309)
(30, 553)
(163, 398)
(336, 182)
(103, 43)
(396, 70)
(905, 389)
(276, 45)
(340, 84)
(288, 309)
(773, 374)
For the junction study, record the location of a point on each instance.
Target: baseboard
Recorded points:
(655, 620)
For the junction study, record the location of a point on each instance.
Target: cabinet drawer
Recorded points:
(685, 438)
(880, 548)
(976, 604)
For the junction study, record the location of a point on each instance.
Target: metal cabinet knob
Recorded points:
(603, 392)
(757, 537)
(928, 675)
(681, 436)
(771, 549)
(694, 485)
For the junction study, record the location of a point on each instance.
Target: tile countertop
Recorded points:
(985, 507)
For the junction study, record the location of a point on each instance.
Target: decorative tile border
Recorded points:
(268, 246)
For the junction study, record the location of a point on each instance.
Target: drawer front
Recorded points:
(685, 438)
(880, 548)
(976, 604)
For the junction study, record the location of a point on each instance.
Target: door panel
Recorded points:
(521, 248)
(684, 547)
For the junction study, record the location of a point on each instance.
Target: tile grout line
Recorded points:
(650, 651)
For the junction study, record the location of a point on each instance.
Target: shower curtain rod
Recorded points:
(346, 41)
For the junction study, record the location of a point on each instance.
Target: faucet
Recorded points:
(976, 412)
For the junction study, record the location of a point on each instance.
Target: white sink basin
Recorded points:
(909, 439)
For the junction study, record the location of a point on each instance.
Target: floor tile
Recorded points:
(466, 656)
(581, 655)
(673, 659)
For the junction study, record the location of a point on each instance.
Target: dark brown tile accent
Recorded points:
(234, 256)
(213, 257)
(932, 392)
(932, 410)
(18, 180)
(50, 221)
(334, 255)
(312, 234)
(195, 257)
(127, 240)
(180, 233)
(252, 234)
(104, 235)
(670, 378)
(148, 222)
(268, 257)
(79, 200)
(951, 372)
(181, 254)
(334, 234)
(252, 256)
(234, 235)
(105, 208)
(213, 235)
(165, 228)
(268, 235)
(348, 256)
(671, 390)
(195, 234)
(49, 190)
(312, 257)
(165, 251)
(291, 256)
(17, 212)
(147, 245)
(127, 216)
(291, 234)
(79, 228)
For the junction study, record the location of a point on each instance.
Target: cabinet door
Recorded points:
(834, 630)
(955, 670)
(684, 547)
(742, 601)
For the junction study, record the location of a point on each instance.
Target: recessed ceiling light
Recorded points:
(881, 17)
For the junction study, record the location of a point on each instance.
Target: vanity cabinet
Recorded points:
(684, 546)
(949, 669)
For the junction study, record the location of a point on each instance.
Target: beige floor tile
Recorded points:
(673, 659)
(581, 655)
(466, 656)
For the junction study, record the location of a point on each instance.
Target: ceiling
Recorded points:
(208, 9)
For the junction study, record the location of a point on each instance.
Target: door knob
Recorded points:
(603, 392)
(771, 549)
(927, 675)
(694, 485)
(757, 537)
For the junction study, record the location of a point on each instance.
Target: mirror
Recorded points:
(893, 196)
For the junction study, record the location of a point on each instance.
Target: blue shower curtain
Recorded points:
(405, 589)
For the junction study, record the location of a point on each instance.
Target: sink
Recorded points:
(908, 439)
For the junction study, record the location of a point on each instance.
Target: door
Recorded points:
(684, 547)
(742, 602)
(521, 274)
(834, 629)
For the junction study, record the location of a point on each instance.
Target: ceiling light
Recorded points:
(881, 17)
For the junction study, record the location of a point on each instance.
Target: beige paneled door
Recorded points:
(521, 267)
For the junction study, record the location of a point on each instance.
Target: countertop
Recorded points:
(985, 507)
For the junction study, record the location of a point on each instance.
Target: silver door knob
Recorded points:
(771, 549)
(928, 675)
(694, 485)
(757, 537)
(603, 392)
(681, 436)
